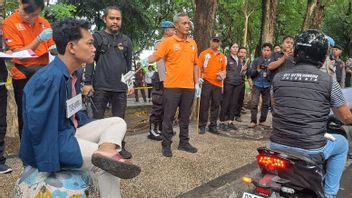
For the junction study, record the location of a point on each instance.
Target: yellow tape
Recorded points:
(8, 82)
(143, 88)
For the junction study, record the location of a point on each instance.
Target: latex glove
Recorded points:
(46, 34)
(53, 50)
(200, 81)
(198, 90)
(329, 136)
(145, 62)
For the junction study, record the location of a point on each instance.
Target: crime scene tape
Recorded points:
(143, 88)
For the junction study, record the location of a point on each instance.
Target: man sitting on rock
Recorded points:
(56, 134)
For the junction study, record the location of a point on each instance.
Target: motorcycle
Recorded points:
(294, 175)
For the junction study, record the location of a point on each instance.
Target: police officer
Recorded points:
(3, 105)
(212, 64)
(181, 82)
(25, 29)
(156, 116)
(339, 66)
(113, 59)
(303, 97)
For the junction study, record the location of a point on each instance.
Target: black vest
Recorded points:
(301, 107)
(233, 72)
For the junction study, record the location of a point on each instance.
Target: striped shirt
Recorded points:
(336, 95)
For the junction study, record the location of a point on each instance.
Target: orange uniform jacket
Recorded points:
(180, 57)
(18, 34)
(211, 63)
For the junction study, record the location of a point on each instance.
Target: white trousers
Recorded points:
(89, 137)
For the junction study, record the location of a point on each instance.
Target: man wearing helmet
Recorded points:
(303, 96)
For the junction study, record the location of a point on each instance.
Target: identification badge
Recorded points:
(73, 105)
(123, 79)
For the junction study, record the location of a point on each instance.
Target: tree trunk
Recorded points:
(314, 15)
(2, 9)
(245, 31)
(268, 20)
(269, 12)
(204, 22)
(247, 13)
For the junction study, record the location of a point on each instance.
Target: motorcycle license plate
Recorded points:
(249, 195)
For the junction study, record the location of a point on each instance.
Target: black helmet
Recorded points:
(311, 47)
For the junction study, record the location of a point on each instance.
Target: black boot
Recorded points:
(153, 132)
(160, 127)
(124, 153)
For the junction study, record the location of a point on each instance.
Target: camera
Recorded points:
(263, 67)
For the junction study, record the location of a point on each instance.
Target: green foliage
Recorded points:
(290, 18)
(10, 6)
(141, 18)
(230, 22)
(58, 11)
(338, 24)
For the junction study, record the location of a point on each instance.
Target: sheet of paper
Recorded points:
(20, 54)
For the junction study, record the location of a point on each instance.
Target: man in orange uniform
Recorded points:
(212, 64)
(24, 30)
(182, 78)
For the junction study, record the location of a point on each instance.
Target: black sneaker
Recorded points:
(5, 169)
(201, 130)
(166, 150)
(213, 129)
(187, 147)
(232, 126)
(154, 136)
(223, 127)
(125, 154)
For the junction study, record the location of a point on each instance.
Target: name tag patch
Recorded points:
(300, 77)
(73, 105)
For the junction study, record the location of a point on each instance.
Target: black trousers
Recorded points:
(3, 124)
(18, 86)
(156, 116)
(211, 96)
(118, 101)
(240, 102)
(149, 90)
(256, 93)
(230, 103)
(173, 98)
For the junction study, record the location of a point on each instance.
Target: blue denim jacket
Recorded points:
(259, 78)
(48, 141)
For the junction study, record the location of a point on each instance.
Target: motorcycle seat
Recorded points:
(316, 159)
